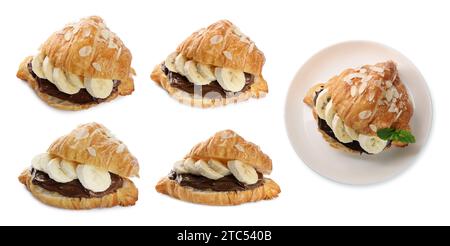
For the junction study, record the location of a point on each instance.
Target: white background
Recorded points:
(159, 131)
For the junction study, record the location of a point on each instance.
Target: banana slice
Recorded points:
(180, 60)
(75, 80)
(56, 173)
(99, 88)
(69, 169)
(207, 171)
(179, 168)
(329, 113)
(189, 165)
(36, 65)
(219, 167)
(170, 62)
(60, 80)
(339, 131)
(47, 68)
(206, 71)
(243, 172)
(190, 68)
(93, 178)
(351, 132)
(230, 79)
(321, 103)
(40, 161)
(372, 144)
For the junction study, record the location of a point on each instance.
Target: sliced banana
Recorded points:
(40, 161)
(192, 74)
(351, 132)
(339, 131)
(189, 165)
(329, 113)
(179, 168)
(36, 65)
(243, 172)
(180, 60)
(230, 79)
(56, 173)
(75, 80)
(372, 144)
(60, 80)
(219, 167)
(170, 62)
(207, 171)
(47, 68)
(99, 88)
(321, 103)
(69, 169)
(207, 71)
(93, 178)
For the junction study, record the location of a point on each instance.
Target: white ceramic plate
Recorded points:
(315, 151)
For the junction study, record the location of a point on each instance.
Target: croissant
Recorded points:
(214, 66)
(88, 168)
(352, 107)
(80, 66)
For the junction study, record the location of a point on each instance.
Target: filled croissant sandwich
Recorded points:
(363, 110)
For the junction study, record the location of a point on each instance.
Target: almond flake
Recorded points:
(112, 45)
(389, 95)
(68, 35)
(227, 135)
(120, 148)
(377, 69)
(228, 55)
(352, 76)
(371, 96)
(239, 147)
(91, 151)
(388, 84)
(367, 79)
(373, 127)
(362, 87)
(105, 34)
(97, 66)
(398, 115)
(250, 49)
(365, 114)
(85, 51)
(353, 91)
(393, 108)
(81, 133)
(86, 33)
(216, 39)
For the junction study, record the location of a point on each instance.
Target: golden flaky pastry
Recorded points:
(223, 45)
(94, 144)
(368, 98)
(90, 144)
(225, 146)
(87, 49)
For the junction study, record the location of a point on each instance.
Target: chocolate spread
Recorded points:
(327, 129)
(227, 183)
(210, 90)
(82, 97)
(74, 187)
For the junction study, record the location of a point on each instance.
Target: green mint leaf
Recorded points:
(403, 136)
(386, 133)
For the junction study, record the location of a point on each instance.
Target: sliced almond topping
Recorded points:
(377, 69)
(352, 76)
(367, 79)
(91, 151)
(353, 91)
(363, 70)
(398, 115)
(85, 51)
(388, 84)
(371, 95)
(216, 39)
(81, 133)
(373, 127)
(250, 49)
(393, 108)
(239, 147)
(97, 66)
(365, 114)
(120, 148)
(105, 34)
(86, 33)
(112, 45)
(389, 95)
(68, 35)
(362, 87)
(228, 55)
